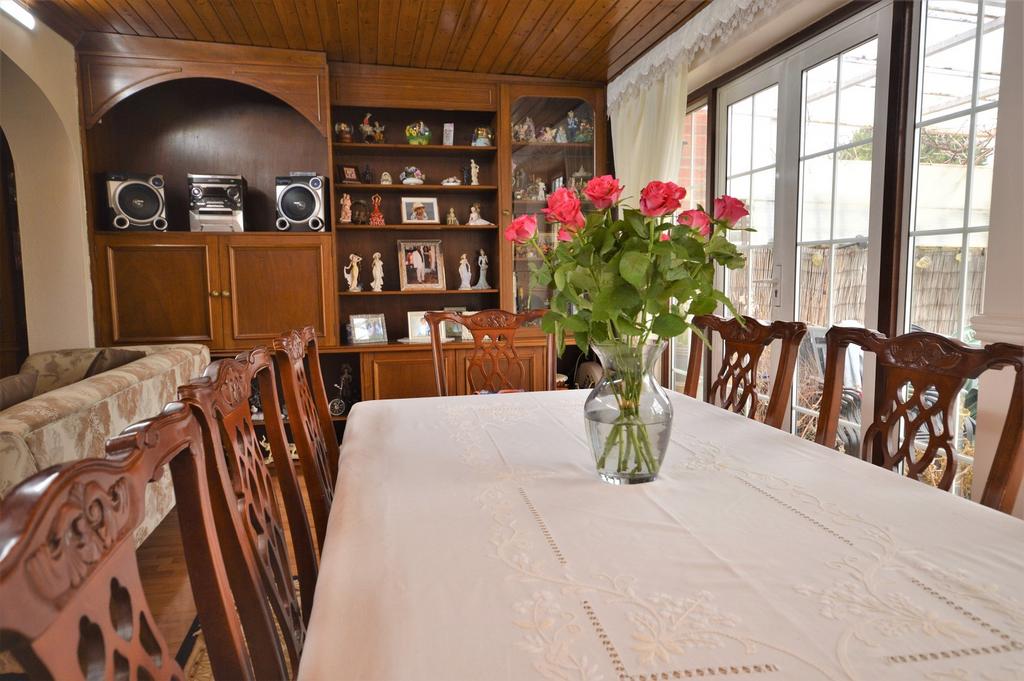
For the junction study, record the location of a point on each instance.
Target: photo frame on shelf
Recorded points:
(368, 328)
(453, 330)
(350, 175)
(419, 329)
(419, 210)
(420, 265)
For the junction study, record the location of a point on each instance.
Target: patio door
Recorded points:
(803, 145)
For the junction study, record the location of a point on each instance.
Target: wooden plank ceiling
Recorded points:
(589, 40)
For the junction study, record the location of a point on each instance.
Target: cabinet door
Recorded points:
(403, 373)
(534, 359)
(156, 288)
(274, 282)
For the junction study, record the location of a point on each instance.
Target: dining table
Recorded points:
(471, 538)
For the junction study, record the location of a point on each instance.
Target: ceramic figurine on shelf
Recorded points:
(366, 129)
(547, 135)
(448, 136)
(412, 175)
(586, 131)
(474, 173)
(524, 131)
(417, 133)
(465, 174)
(451, 181)
(482, 137)
(385, 178)
(474, 216)
(367, 176)
(343, 132)
(537, 190)
(377, 270)
(482, 261)
(346, 208)
(520, 183)
(339, 404)
(352, 273)
(465, 273)
(560, 135)
(376, 217)
(452, 219)
(572, 126)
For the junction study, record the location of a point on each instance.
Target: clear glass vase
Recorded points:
(628, 413)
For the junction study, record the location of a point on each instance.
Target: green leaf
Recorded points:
(668, 325)
(576, 324)
(582, 341)
(550, 321)
(633, 267)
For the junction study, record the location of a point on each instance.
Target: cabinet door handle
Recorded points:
(215, 294)
(226, 294)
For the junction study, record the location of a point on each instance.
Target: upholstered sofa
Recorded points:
(69, 417)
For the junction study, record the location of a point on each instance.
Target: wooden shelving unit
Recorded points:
(446, 292)
(461, 149)
(417, 187)
(347, 226)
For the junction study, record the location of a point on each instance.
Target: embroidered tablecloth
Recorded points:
(471, 539)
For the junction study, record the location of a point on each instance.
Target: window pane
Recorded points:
(850, 283)
(948, 60)
(984, 159)
(739, 136)
(815, 264)
(935, 284)
(942, 154)
(974, 288)
(819, 95)
(816, 198)
(766, 114)
(762, 206)
(857, 96)
(991, 51)
(853, 200)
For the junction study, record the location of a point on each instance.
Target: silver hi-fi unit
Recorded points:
(216, 203)
(136, 202)
(300, 202)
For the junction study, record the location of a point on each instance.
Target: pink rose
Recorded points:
(666, 235)
(564, 207)
(521, 229)
(730, 210)
(603, 191)
(660, 198)
(696, 220)
(565, 235)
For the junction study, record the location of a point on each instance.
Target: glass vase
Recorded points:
(628, 413)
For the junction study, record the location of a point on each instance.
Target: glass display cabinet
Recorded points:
(553, 146)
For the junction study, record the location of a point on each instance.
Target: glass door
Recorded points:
(552, 147)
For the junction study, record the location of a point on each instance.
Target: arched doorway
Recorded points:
(13, 330)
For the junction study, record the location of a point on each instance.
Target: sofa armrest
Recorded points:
(58, 368)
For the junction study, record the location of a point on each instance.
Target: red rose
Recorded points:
(603, 191)
(521, 229)
(730, 210)
(564, 234)
(660, 198)
(696, 220)
(666, 235)
(564, 207)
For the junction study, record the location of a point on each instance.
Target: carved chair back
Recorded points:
(494, 365)
(72, 600)
(734, 386)
(921, 376)
(297, 358)
(222, 398)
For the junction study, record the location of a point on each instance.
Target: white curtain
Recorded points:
(647, 132)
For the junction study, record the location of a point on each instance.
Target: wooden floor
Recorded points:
(165, 577)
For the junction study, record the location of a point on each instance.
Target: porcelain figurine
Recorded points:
(452, 218)
(377, 270)
(474, 173)
(367, 176)
(482, 137)
(378, 132)
(376, 217)
(417, 133)
(474, 216)
(586, 131)
(524, 131)
(343, 132)
(451, 181)
(560, 135)
(547, 135)
(352, 273)
(482, 261)
(572, 125)
(366, 129)
(412, 175)
(465, 273)
(346, 208)
(385, 178)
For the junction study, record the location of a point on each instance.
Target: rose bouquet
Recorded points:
(625, 281)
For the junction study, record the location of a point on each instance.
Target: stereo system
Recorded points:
(216, 203)
(300, 202)
(136, 202)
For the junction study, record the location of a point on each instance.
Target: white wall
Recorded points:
(39, 116)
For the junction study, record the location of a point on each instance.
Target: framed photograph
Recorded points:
(420, 265)
(368, 328)
(350, 175)
(419, 329)
(453, 330)
(418, 210)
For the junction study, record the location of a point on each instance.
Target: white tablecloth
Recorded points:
(471, 539)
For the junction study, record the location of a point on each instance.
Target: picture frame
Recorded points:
(453, 330)
(350, 175)
(419, 329)
(368, 328)
(420, 210)
(420, 265)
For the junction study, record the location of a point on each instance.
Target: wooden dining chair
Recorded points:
(73, 606)
(297, 359)
(221, 396)
(735, 384)
(494, 365)
(921, 375)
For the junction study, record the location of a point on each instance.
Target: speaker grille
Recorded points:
(298, 203)
(139, 201)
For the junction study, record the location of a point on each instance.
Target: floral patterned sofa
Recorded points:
(70, 417)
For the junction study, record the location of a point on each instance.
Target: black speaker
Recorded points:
(136, 202)
(300, 203)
